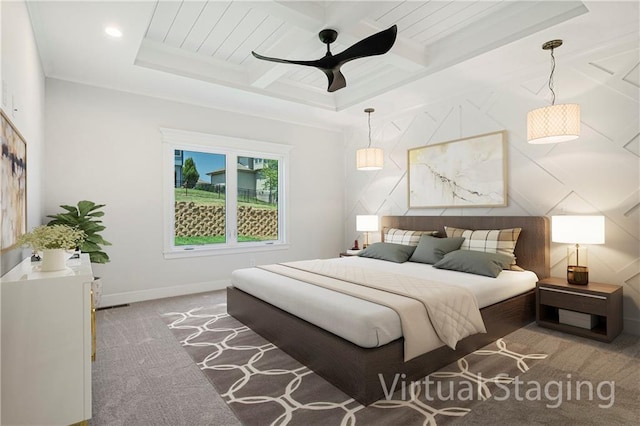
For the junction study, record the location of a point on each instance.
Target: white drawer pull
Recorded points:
(574, 293)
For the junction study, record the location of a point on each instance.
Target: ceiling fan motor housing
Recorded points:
(328, 36)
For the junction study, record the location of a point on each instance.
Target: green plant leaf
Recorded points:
(96, 214)
(89, 247)
(97, 206)
(94, 238)
(92, 228)
(99, 257)
(62, 219)
(84, 207)
(70, 209)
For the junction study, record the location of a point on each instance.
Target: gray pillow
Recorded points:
(388, 251)
(432, 249)
(475, 262)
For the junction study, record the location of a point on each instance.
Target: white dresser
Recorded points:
(47, 343)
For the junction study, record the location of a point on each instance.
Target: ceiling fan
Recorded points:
(376, 44)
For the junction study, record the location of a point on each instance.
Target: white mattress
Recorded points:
(365, 323)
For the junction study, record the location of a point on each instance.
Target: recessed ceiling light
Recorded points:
(113, 31)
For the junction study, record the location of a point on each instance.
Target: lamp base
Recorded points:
(577, 275)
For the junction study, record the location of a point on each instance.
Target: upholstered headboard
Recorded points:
(532, 248)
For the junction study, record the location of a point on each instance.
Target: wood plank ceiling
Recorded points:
(221, 35)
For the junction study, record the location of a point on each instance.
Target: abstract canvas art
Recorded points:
(13, 185)
(469, 172)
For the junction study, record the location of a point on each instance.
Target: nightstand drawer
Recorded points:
(573, 300)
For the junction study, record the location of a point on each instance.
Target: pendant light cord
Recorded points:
(553, 68)
(369, 121)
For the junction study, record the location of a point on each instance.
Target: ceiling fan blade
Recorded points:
(376, 44)
(336, 79)
(286, 61)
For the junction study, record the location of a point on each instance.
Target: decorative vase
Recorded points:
(577, 269)
(54, 260)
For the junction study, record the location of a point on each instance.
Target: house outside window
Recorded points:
(226, 195)
(177, 162)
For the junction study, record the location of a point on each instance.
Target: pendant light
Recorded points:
(369, 158)
(555, 123)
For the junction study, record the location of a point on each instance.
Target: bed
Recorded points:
(355, 368)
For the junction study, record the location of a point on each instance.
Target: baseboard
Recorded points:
(161, 293)
(632, 326)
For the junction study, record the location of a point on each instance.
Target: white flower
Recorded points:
(52, 237)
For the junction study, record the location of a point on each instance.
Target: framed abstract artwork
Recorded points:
(468, 172)
(13, 184)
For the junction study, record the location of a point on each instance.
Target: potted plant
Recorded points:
(85, 216)
(53, 241)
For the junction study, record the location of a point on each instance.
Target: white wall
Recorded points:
(104, 146)
(597, 174)
(23, 96)
(22, 79)
(22, 100)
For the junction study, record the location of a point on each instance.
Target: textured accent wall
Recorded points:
(599, 173)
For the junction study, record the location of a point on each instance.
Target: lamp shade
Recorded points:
(369, 159)
(367, 223)
(552, 124)
(577, 229)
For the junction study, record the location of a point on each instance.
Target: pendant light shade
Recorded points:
(552, 124)
(555, 123)
(369, 158)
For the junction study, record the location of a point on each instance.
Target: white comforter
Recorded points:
(451, 310)
(364, 323)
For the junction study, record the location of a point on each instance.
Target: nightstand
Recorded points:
(596, 303)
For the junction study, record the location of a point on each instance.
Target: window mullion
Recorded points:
(282, 194)
(232, 199)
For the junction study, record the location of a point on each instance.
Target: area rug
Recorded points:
(263, 385)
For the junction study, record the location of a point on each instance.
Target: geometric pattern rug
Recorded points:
(263, 385)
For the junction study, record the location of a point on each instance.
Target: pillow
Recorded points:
(431, 249)
(401, 236)
(475, 262)
(488, 240)
(398, 253)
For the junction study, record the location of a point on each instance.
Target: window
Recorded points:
(223, 195)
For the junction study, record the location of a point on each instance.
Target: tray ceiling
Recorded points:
(199, 52)
(213, 40)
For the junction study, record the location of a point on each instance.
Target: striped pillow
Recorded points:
(487, 240)
(405, 237)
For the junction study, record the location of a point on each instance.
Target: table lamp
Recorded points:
(366, 223)
(577, 230)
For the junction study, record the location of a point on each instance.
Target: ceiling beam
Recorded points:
(291, 44)
(305, 14)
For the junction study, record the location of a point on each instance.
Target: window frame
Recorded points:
(232, 148)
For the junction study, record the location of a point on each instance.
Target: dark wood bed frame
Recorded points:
(355, 370)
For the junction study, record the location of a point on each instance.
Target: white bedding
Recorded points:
(364, 323)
